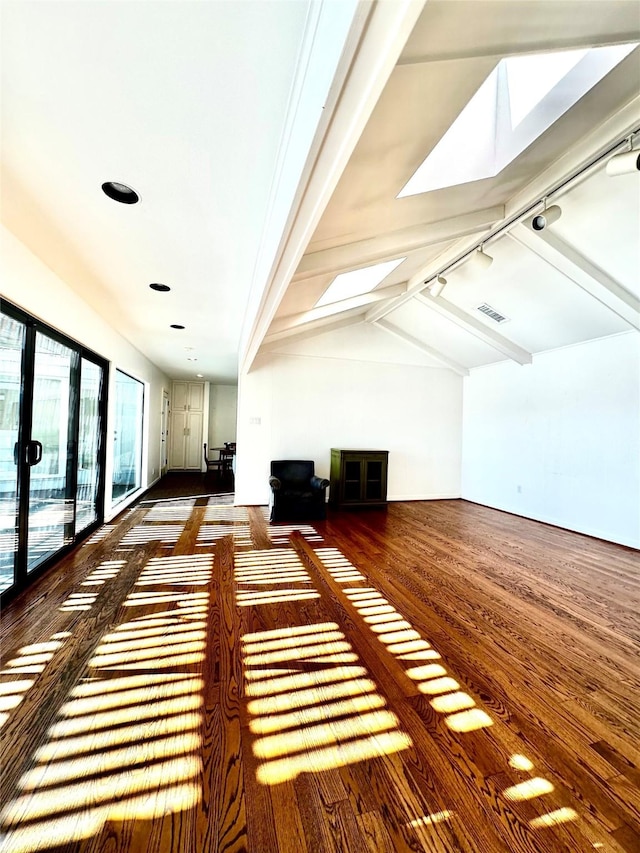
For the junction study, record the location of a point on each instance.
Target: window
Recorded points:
(127, 436)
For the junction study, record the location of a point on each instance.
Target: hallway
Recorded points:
(439, 677)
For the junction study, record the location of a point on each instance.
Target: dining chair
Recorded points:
(213, 464)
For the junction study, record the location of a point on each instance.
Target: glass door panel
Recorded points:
(12, 339)
(51, 505)
(88, 444)
(127, 437)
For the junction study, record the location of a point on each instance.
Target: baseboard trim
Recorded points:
(552, 522)
(431, 497)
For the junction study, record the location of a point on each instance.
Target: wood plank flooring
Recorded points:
(437, 677)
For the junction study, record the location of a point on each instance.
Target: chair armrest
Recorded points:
(317, 483)
(275, 483)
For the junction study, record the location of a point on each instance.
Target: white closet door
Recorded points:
(180, 399)
(177, 438)
(195, 402)
(194, 447)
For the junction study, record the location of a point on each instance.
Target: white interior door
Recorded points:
(177, 438)
(194, 450)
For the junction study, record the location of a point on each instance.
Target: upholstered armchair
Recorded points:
(296, 493)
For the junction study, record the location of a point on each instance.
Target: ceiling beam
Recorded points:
(316, 327)
(430, 351)
(379, 35)
(475, 327)
(295, 320)
(553, 181)
(361, 253)
(501, 51)
(580, 270)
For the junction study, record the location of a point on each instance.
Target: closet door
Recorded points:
(180, 391)
(195, 400)
(177, 438)
(194, 449)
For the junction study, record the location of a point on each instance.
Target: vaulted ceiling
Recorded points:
(577, 280)
(226, 117)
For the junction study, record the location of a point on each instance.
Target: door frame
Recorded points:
(164, 433)
(33, 325)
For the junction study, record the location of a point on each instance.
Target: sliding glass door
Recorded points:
(12, 339)
(52, 405)
(50, 518)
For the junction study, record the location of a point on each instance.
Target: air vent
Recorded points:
(492, 313)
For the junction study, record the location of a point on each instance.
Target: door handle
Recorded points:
(33, 453)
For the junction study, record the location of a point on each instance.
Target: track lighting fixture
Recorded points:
(437, 286)
(480, 260)
(624, 164)
(548, 216)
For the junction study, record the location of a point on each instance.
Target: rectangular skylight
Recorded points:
(521, 98)
(357, 282)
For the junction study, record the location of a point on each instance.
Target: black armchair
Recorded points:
(297, 494)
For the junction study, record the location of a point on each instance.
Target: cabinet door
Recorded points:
(194, 450)
(375, 481)
(180, 394)
(177, 438)
(353, 478)
(195, 401)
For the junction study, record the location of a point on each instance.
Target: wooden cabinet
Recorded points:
(358, 478)
(188, 424)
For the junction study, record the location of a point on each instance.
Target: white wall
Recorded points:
(31, 285)
(296, 407)
(559, 440)
(223, 414)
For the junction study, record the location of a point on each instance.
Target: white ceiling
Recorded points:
(187, 102)
(193, 104)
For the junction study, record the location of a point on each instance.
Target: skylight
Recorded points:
(531, 78)
(357, 282)
(521, 98)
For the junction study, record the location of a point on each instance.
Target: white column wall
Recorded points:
(559, 440)
(223, 414)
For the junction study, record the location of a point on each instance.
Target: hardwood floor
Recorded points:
(437, 677)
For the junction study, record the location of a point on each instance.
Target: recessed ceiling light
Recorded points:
(176, 326)
(120, 192)
(199, 375)
(161, 288)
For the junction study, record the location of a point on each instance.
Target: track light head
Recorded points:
(480, 260)
(624, 164)
(437, 286)
(542, 220)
